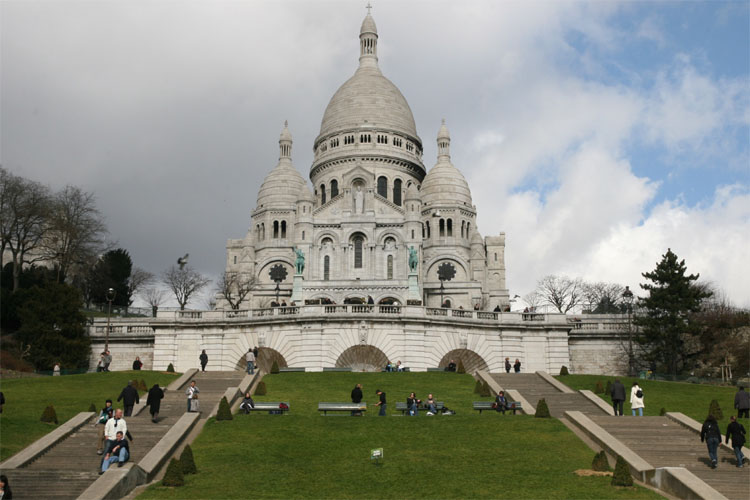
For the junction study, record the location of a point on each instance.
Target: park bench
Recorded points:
(337, 369)
(487, 405)
(436, 369)
(292, 369)
(404, 369)
(270, 406)
(341, 407)
(439, 405)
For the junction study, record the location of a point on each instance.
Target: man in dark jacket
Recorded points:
(712, 436)
(137, 365)
(129, 397)
(742, 403)
(736, 431)
(618, 396)
(153, 401)
(118, 451)
(381, 403)
(357, 398)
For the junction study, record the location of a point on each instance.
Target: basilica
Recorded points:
(372, 206)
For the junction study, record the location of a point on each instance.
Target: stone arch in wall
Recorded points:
(362, 358)
(265, 359)
(471, 360)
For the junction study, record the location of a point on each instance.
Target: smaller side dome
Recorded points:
(476, 238)
(281, 186)
(444, 184)
(305, 194)
(368, 25)
(412, 193)
(443, 132)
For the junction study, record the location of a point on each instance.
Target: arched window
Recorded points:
(235, 258)
(463, 229)
(326, 268)
(303, 235)
(263, 231)
(427, 225)
(468, 230)
(383, 187)
(450, 227)
(442, 228)
(390, 267)
(334, 188)
(283, 229)
(358, 243)
(397, 192)
(322, 194)
(275, 229)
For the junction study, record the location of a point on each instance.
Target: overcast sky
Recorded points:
(594, 134)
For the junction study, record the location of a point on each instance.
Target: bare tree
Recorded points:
(561, 292)
(184, 283)
(533, 300)
(25, 207)
(604, 298)
(138, 279)
(154, 297)
(235, 287)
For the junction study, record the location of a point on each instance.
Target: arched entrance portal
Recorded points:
(362, 358)
(471, 360)
(265, 359)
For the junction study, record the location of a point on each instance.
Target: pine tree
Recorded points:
(715, 410)
(666, 323)
(92, 407)
(599, 389)
(49, 415)
(275, 367)
(486, 392)
(622, 476)
(662, 412)
(460, 368)
(542, 410)
(224, 413)
(600, 462)
(170, 368)
(564, 370)
(608, 389)
(478, 387)
(187, 461)
(260, 390)
(142, 385)
(173, 476)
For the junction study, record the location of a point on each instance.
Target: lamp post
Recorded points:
(627, 297)
(110, 297)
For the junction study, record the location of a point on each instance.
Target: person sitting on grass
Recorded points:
(247, 403)
(501, 402)
(118, 451)
(431, 405)
(412, 403)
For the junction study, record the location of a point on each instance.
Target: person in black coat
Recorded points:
(129, 397)
(711, 435)
(736, 431)
(204, 360)
(247, 403)
(357, 398)
(742, 403)
(5, 492)
(153, 401)
(618, 396)
(137, 363)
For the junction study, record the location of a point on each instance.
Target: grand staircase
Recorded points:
(533, 388)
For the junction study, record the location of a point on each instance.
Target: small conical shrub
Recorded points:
(170, 368)
(600, 462)
(49, 415)
(622, 476)
(224, 413)
(187, 462)
(460, 368)
(542, 410)
(142, 385)
(92, 407)
(478, 387)
(485, 391)
(173, 476)
(260, 390)
(599, 389)
(715, 410)
(608, 389)
(564, 370)
(662, 412)
(275, 367)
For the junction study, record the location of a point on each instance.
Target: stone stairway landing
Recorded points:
(533, 388)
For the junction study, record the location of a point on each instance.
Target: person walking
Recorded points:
(712, 436)
(153, 401)
(381, 402)
(517, 366)
(250, 359)
(118, 451)
(618, 396)
(192, 394)
(129, 397)
(736, 431)
(507, 365)
(742, 403)
(137, 364)
(107, 360)
(636, 399)
(204, 360)
(356, 399)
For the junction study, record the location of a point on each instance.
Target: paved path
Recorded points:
(67, 469)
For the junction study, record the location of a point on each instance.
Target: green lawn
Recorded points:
(691, 399)
(26, 399)
(306, 455)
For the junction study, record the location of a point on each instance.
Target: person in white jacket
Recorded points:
(636, 399)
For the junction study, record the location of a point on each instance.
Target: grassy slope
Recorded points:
(691, 399)
(305, 455)
(26, 399)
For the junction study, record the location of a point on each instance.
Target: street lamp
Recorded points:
(110, 297)
(627, 297)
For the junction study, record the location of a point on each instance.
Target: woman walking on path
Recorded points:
(636, 399)
(204, 360)
(155, 395)
(711, 435)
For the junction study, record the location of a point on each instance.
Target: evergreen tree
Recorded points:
(112, 271)
(599, 389)
(662, 412)
(260, 390)
(486, 392)
(608, 389)
(600, 462)
(187, 461)
(715, 410)
(224, 413)
(542, 410)
(461, 368)
(49, 415)
(666, 326)
(478, 387)
(170, 368)
(622, 476)
(173, 476)
(92, 407)
(275, 367)
(564, 370)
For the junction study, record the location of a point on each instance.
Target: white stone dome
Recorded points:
(280, 187)
(305, 194)
(444, 184)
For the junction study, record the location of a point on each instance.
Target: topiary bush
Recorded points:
(542, 410)
(173, 476)
(49, 415)
(461, 368)
(608, 389)
(142, 385)
(600, 462)
(260, 390)
(599, 389)
(478, 387)
(715, 410)
(485, 390)
(224, 413)
(622, 476)
(170, 368)
(275, 367)
(564, 370)
(92, 407)
(187, 462)
(662, 412)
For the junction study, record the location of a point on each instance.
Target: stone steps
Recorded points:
(33, 485)
(533, 388)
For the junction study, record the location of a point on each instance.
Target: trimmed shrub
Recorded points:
(275, 367)
(715, 410)
(170, 368)
(564, 370)
(260, 390)
(599, 389)
(662, 412)
(608, 389)
(485, 391)
(187, 462)
(622, 476)
(461, 368)
(173, 476)
(224, 413)
(478, 387)
(92, 407)
(542, 410)
(600, 462)
(142, 385)
(49, 415)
